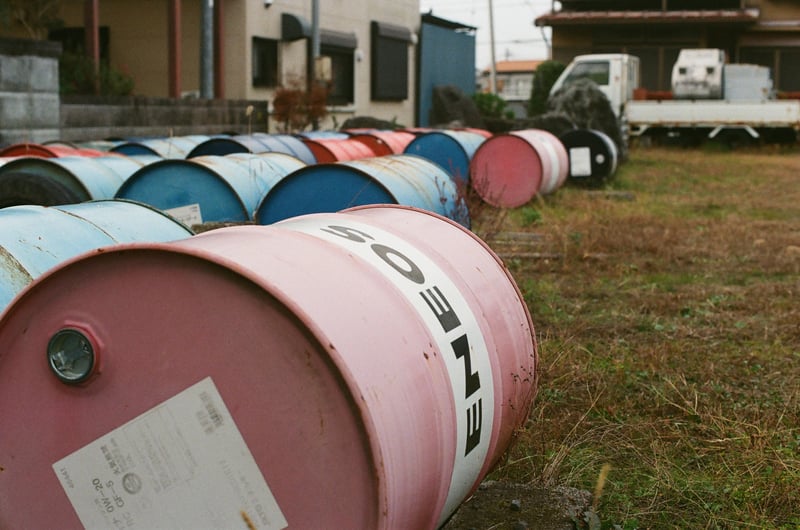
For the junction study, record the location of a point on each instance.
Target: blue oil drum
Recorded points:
(198, 190)
(395, 179)
(36, 238)
(451, 149)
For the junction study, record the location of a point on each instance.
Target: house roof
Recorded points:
(704, 16)
(511, 67)
(430, 18)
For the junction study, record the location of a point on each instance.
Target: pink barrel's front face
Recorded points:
(507, 171)
(333, 370)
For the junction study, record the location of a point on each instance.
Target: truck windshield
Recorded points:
(597, 71)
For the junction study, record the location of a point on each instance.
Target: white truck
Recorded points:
(709, 98)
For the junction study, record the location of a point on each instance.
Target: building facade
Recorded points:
(763, 32)
(366, 48)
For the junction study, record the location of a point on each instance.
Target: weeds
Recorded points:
(669, 335)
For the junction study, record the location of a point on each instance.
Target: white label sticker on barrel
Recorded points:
(452, 325)
(188, 215)
(182, 464)
(580, 162)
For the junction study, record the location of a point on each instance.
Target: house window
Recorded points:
(265, 62)
(73, 40)
(342, 73)
(389, 66)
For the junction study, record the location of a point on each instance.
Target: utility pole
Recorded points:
(207, 50)
(493, 66)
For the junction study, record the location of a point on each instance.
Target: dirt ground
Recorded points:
(504, 505)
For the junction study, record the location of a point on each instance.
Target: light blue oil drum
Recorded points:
(451, 149)
(395, 179)
(34, 239)
(171, 147)
(62, 180)
(270, 167)
(198, 190)
(286, 143)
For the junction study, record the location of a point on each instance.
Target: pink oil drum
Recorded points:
(360, 369)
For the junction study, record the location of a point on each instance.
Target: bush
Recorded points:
(77, 75)
(492, 106)
(295, 108)
(543, 79)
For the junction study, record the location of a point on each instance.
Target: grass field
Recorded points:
(667, 309)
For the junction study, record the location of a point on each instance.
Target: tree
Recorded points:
(36, 17)
(543, 79)
(296, 108)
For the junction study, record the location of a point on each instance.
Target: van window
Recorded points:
(597, 71)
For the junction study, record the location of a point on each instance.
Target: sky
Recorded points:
(515, 35)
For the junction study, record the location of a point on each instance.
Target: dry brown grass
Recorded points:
(667, 309)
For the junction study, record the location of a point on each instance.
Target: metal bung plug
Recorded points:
(71, 355)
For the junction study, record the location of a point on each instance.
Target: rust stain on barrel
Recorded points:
(14, 268)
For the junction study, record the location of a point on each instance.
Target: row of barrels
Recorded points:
(505, 170)
(358, 346)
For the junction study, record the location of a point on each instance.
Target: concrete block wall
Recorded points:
(31, 109)
(29, 100)
(88, 118)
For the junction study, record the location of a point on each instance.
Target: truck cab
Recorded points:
(616, 74)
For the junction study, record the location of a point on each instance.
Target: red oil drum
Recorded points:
(384, 143)
(361, 369)
(508, 170)
(327, 150)
(48, 151)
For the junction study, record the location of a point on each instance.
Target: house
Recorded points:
(514, 81)
(763, 32)
(367, 49)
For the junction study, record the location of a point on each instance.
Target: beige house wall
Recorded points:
(138, 45)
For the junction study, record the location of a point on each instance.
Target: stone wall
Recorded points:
(29, 101)
(31, 109)
(87, 118)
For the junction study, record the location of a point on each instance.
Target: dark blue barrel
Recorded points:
(592, 156)
(395, 179)
(285, 143)
(226, 145)
(62, 180)
(198, 190)
(35, 239)
(452, 150)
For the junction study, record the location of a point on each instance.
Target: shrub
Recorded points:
(77, 75)
(543, 79)
(491, 106)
